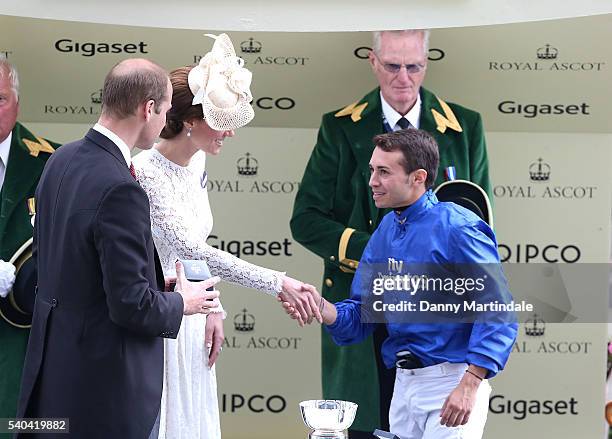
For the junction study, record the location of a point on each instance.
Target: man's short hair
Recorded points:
(127, 86)
(418, 147)
(7, 68)
(376, 36)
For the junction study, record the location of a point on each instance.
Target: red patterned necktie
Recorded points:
(133, 171)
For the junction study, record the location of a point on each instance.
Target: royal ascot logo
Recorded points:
(547, 52)
(244, 325)
(96, 97)
(521, 409)
(250, 46)
(89, 49)
(363, 52)
(91, 109)
(540, 173)
(531, 111)
(535, 326)
(247, 165)
(545, 60)
(251, 49)
(535, 341)
(244, 322)
(247, 169)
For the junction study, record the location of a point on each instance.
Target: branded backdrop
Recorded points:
(542, 89)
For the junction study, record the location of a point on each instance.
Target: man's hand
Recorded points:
(327, 310)
(196, 299)
(459, 404)
(303, 298)
(7, 277)
(214, 336)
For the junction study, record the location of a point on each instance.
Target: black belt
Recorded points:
(406, 360)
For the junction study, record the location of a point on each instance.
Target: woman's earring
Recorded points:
(189, 132)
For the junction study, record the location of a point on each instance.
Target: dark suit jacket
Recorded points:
(95, 353)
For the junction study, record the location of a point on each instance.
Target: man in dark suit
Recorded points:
(334, 212)
(95, 353)
(22, 157)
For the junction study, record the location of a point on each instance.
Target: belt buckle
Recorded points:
(407, 360)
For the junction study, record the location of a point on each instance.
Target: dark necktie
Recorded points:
(133, 171)
(403, 123)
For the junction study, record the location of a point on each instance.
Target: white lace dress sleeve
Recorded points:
(181, 221)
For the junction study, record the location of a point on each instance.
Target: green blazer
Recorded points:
(27, 157)
(334, 215)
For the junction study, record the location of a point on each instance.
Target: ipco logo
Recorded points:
(88, 49)
(267, 103)
(232, 403)
(551, 253)
(363, 52)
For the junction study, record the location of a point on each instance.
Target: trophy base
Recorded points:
(328, 434)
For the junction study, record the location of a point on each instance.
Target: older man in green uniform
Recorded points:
(334, 213)
(22, 158)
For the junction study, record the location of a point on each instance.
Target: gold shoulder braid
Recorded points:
(36, 148)
(448, 120)
(354, 110)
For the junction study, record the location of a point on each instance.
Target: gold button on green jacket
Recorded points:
(334, 215)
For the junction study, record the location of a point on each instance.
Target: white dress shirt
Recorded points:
(125, 150)
(393, 116)
(5, 148)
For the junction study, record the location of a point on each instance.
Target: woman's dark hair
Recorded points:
(182, 109)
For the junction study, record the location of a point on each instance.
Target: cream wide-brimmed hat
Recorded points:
(221, 84)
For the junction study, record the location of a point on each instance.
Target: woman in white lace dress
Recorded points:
(208, 103)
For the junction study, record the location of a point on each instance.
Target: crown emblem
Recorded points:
(539, 171)
(96, 97)
(535, 326)
(547, 52)
(244, 322)
(247, 165)
(250, 46)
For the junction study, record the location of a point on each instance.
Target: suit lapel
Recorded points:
(428, 123)
(22, 173)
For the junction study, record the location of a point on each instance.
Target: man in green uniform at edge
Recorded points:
(334, 213)
(22, 158)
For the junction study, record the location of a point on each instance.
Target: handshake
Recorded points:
(302, 302)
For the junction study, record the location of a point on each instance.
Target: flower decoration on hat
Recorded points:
(221, 84)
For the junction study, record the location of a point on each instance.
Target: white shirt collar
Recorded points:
(392, 116)
(125, 150)
(5, 148)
